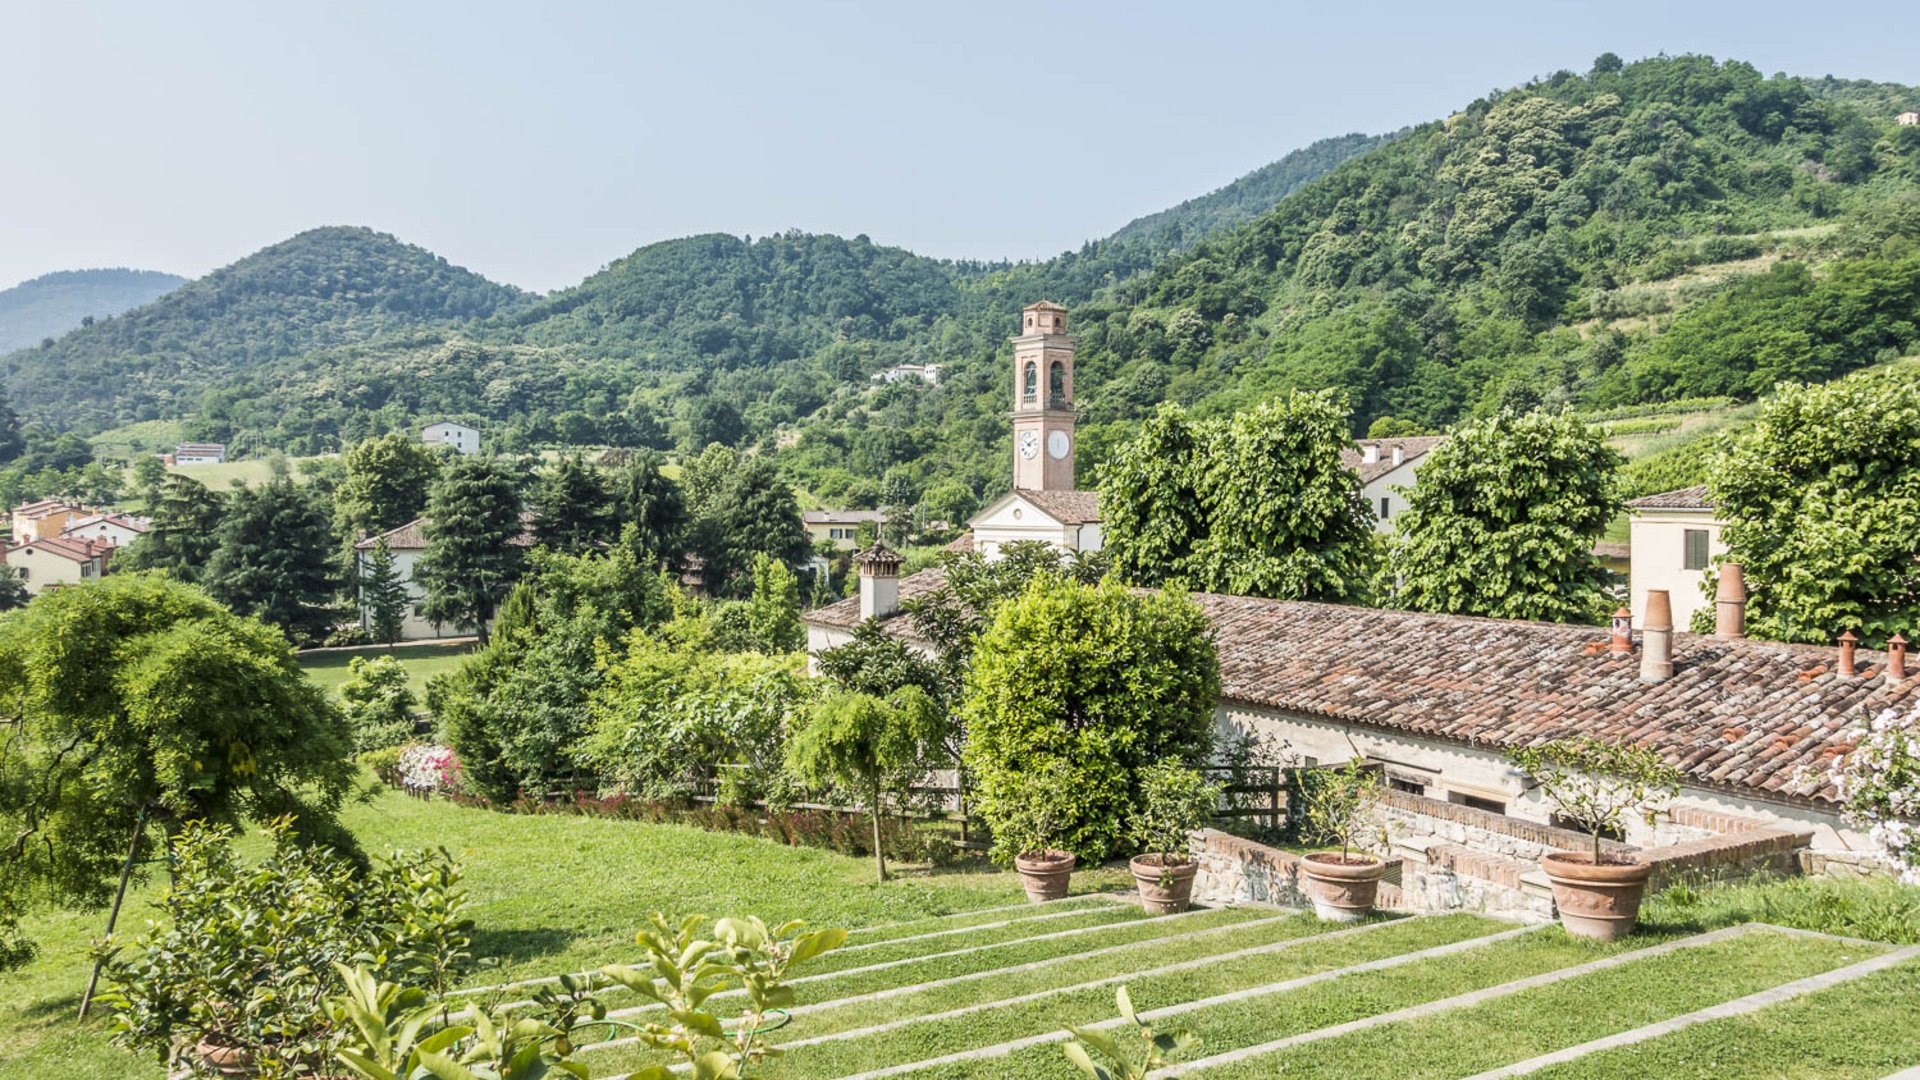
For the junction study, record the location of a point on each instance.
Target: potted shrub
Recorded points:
(1174, 802)
(1343, 884)
(1595, 785)
(1026, 826)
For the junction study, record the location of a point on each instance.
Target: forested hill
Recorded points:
(322, 288)
(52, 304)
(1248, 197)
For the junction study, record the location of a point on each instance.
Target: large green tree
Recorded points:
(574, 509)
(183, 536)
(139, 701)
(387, 482)
(1256, 504)
(1503, 522)
(1089, 684)
(1821, 499)
(274, 560)
(473, 554)
(653, 504)
(753, 512)
(382, 595)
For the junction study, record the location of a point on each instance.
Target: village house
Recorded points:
(199, 454)
(1674, 537)
(46, 517)
(1435, 702)
(116, 529)
(927, 373)
(408, 543)
(459, 437)
(1388, 468)
(52, 562)
(1907, 119)
(841, 528)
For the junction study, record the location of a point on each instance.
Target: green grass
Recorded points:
(1859, 1031)
(551, 894)
(329, 668)
(1471, 1040)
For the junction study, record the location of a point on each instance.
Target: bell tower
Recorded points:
(1043, 445)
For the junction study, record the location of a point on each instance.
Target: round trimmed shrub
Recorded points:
(1088, 685)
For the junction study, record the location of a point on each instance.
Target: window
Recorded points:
(1411, 787)
(1491, 806)
(1031, 389)
(1696, 550)
(1386, 510)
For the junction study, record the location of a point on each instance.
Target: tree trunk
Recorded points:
(879, 853)
(113, 916)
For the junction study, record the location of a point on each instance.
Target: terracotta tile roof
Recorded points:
(37, 510)
(1686, 498)
(127, 521)
(1410, 448)
(71, 548)
(413, 535)
(845, 613)
(1741, 715)
(960, 544)
(1611, 549)
(1066, 507)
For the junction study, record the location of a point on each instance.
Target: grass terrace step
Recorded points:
(1339, 996)
(1068, 924)
(1461, 1042)
(1136, 939)
(1864, 1030)
(847, 1056)
(1001, 913)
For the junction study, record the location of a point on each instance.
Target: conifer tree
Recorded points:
(573, 508)
(181, 540)
(774, 607)
(382, 595)
(473, 557)
(653, 505)
(275, 560)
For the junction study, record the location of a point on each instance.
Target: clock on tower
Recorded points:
(1043, 400)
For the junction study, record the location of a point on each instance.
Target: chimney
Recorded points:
(1730, 603)
(1656, 654)
(1399, 454)
(879, 581)
(1369, 453)
(1622, 643)
(1848, 641)
(1896, 658)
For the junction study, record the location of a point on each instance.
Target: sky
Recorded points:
(535, 142)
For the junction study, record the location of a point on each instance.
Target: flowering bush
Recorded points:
(429, 768)
(1879, 783)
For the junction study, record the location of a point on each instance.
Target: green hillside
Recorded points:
(52, 304)
(321, 288)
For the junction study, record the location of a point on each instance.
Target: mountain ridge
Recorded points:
(52, 304)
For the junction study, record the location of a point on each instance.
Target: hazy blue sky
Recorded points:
(536, 141)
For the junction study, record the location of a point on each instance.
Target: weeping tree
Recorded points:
(138, 702)
(872, 745)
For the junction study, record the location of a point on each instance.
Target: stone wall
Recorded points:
(1417, 821)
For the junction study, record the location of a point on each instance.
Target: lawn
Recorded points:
(949, 977)
(329, 667)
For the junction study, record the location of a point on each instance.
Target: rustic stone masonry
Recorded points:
(1411, 818)
(1234, 870)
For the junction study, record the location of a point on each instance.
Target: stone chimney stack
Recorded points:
(1848, 642)
(1896, 658)
(1622, 643)
(1730, 603)
(1656, 652)
(879, 581)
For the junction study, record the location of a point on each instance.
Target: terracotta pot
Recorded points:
(1163, 899)
(224, 1059)
(1045, 874)
(1600, 902)
(1341, 891)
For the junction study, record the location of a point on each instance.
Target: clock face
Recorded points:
(1029, 443)
(1057, 444)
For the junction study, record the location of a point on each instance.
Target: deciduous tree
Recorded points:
(387, 482)
(1504, 519)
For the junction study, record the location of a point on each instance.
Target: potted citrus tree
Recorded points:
(1594, 785)
(1343, 884)
(1026, 823)
(1174, 802)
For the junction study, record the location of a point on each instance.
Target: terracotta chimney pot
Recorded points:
(1656, 653)
(1848, 642)
(1896, 658)
(1622, 642)
(1730, 603)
